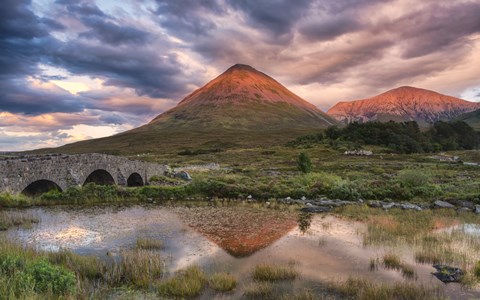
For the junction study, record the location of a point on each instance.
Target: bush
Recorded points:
(413, 178)
(304, 163)
(51, 278)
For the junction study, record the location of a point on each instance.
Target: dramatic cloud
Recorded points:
(70, 65)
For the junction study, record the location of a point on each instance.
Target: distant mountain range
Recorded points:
(403, 104)
(244, 106)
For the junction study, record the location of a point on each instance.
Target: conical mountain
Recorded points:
(242, 106)
(243, 98)
(403, 104)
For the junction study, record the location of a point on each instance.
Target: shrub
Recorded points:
(304, 163)
(413, 178)
(51, 278)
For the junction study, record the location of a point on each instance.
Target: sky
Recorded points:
(77, 69)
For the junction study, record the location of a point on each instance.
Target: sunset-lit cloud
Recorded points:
(70, 69)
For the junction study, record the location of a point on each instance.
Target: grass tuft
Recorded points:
(149, 244)
(258, 290)
(270, 272)
(222, 282)
(187, 283)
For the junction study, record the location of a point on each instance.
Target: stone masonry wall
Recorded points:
(70, 170)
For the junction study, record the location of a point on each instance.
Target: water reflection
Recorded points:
(233, 239)
(240, 231)
(304, 221)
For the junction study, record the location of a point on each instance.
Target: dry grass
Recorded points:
(187, 283)
(363, 289)
(137, 267)
(222, 282)
(149, 244)
(16, 218)
(258, 290)
(271, 272)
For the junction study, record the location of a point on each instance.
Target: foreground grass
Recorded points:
(362, 289)
(187, 283)
(222, 282)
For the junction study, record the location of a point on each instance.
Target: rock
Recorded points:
(316, 209)
(304, 198)
(309, 204)
(389, 205)
(249, 197)
(477, 209)
(448, 274)
(267, 203)
(375, 204)
(464, 209)
(409, 206)
(288, 198)
(183, 175)
(467, 204)
(442, 204)
(359, 152)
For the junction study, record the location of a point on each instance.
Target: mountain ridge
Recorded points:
(404, 103)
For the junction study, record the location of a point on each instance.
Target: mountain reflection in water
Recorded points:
(240, 231)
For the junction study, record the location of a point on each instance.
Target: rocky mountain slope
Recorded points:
(241, 106)
(403, 104)
(243, 98)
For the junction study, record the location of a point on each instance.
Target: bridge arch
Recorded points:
(135, 179)
(39, 187)
(100, 177)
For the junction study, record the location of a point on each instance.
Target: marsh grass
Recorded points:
(393, 261)
(17, 218)
(362, 289)
(258, 290)
(305, 294)
(435, 236)
(138, 267)
(271, 272)
(149, 244)
(373, 264)
(222, 282)
(187, 283)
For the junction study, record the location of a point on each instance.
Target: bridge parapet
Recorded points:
(17, 173)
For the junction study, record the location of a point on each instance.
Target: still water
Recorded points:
(233, 239)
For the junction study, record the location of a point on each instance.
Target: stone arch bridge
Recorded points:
(34, 175)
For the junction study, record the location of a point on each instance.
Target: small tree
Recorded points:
(304, 163)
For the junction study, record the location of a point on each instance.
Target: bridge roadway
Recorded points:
(37, 174)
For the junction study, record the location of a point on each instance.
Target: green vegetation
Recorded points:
(406, 137)
(304, 163)
(270, 272)
(23, 274)
(222, 282)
